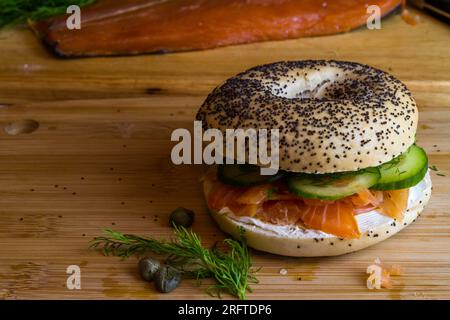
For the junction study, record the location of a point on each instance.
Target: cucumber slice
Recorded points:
(245, 175)
(405, 171)
(332, 186)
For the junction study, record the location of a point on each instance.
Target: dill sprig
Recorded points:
(229, 265)
(13, 12)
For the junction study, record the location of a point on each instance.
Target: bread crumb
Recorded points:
(283, 272)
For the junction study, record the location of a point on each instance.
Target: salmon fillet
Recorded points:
(112, 27)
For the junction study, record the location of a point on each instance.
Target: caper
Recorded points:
(167, 279)
(148, 267)
(181, 217)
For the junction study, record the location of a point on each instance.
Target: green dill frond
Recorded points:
(230, 265)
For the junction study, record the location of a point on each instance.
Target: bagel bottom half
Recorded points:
(296, 241)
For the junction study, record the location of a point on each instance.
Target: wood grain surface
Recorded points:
(101, 158)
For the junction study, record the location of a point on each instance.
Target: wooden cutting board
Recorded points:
(101, 158)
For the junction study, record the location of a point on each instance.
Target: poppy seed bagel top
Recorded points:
(333, 116)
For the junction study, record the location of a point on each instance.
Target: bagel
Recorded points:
(351, 174)
(333, 116)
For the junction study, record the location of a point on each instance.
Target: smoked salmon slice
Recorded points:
(112, 27)
(286, 212)
(395, 203)
(255, 195)
(365, 198)
(221, 196)
(336, 218)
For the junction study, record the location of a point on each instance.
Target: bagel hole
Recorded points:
(309, 85)
(323, 84)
